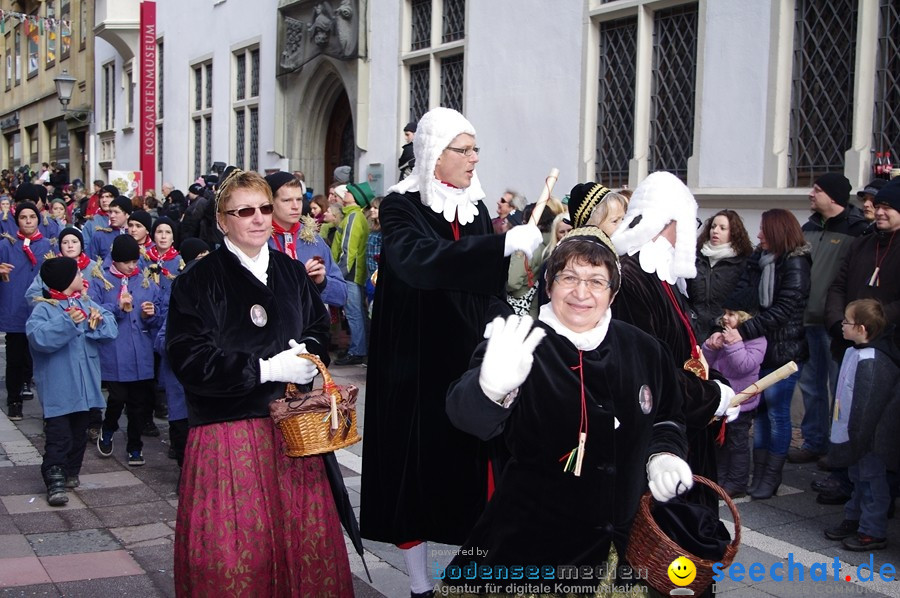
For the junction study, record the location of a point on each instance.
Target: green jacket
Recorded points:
(349, 246)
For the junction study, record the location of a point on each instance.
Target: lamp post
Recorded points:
(65, 85)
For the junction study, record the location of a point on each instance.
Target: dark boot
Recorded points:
(759, 466)
(740, 471)
(771, 478)
(723, 468)
(56, 486)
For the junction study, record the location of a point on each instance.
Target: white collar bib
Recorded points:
(258, 266)
(583, 341)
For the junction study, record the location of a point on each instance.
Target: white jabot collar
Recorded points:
(583, 341)
(446, 200)
(258, 266)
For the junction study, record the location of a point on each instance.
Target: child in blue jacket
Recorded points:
(126, 365)
(64, 331)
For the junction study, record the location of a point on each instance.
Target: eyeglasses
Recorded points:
(504, 200)
(264, 209)
(846, 323)
(595, 285)
(465, 151)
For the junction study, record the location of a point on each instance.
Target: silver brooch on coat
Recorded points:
(258, 315)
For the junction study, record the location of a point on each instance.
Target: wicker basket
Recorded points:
(319, 421)
(651, 550)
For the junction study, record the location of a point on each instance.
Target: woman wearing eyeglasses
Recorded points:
(251, 521)
(590, 410)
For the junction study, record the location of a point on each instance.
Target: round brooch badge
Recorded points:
(258, 315)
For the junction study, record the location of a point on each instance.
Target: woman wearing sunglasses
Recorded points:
(249, 518)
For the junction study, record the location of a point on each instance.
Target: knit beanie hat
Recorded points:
(123, 203)
(890, 195)
(30, 192)
(278, 179)
(410, 127)
(61, 202)
(26, 205)
(71, 230)
(196, 189)
(125, 249)
(111, 189)
(583, 198)
(874, 186)
(836, 186)
(342, 174)
(362, 193)
(191, 248)
(658, 200)
(163, 220)
(340, 191)
(143, 217)
(59, 272)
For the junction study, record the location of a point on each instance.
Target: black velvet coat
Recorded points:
(643, 302)
(425, 479)
(215, 348)
(539, 514)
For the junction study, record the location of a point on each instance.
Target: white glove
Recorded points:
(509, 355)
(669, 476)
(287, 367)
(524, 238)
(730, 413)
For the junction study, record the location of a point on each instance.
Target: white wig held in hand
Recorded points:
(434, 132)
(659, 199)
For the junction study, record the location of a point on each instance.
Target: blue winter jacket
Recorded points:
(14, 309)
(130, 357)
(66, 355)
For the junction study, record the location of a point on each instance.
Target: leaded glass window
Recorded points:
(418, 91)
(454, 20)
(615, 101)
(886, 126)
(452, 82)
(239, 139)
(241, 68)
(672, 89)
(421, 24)
(822, 88)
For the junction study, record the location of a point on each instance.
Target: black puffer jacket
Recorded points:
(708, 291)
(782, 322)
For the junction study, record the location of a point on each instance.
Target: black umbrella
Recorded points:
(344, 509)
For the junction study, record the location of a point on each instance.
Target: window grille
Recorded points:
(615, 110)
(886, 126)
(418, 91)
(454, 20)
(254, 139)
(207, 124)
(822, 88)
(159, 148)
(254, 73)
(421, 24)
(673, 87)
(241, 68)
(198, 88)
(239, 139)
(160, 94)
(452, 82)
(198, 147)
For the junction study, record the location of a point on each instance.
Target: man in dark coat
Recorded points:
(831, 228)
(657, 244)
(441, 278)
(407, 157)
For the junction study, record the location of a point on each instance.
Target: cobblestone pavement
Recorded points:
(115, 536)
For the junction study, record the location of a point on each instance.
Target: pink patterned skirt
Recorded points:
(253, 522)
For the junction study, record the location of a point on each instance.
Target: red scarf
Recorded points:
(83, 261)
(123, 277)
(290, 236)
(26, 246)
(63, 297)
(154, 256)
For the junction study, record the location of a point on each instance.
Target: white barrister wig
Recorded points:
(657, 200)
(436, 129)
